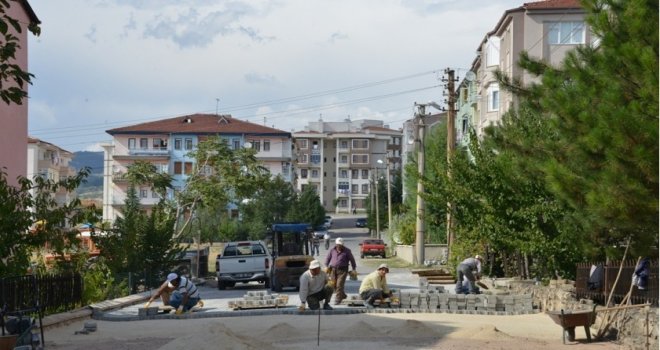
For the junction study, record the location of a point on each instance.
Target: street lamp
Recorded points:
(375, 181)
(389, 192)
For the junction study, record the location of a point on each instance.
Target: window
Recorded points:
(343, 203)
(285, 169)
(365, 173)
(188, 168)
(569, 33)
(493, 97)
(493, 53)
(315, 173)
(343, 159)
(342, 187)
(343, 174)
(360, 159)
(303, 173)
(360, 144)
(315, 145)
(355, 189)
(355, 174)
(177, 144)
(131, 143)
(464, 126)
(178, 168)
(144, 143)
(266, 145)
(236, 144)
(302, 159)
(256, 145)
(159, 144)
(316, 158)
(189, 144)
(343, 144)
(144, 193)
(365, 188)
(302, 144)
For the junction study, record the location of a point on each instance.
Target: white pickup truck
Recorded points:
(244, 262)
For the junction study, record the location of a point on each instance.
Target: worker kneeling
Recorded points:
(179, 292)
(314, 288)
(374, 286)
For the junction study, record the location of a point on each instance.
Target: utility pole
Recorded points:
(389, 198)
(377, 212)
(419, 223)
(451, 145)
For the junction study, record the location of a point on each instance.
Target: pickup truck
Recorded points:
(243, 262)
(373, 247)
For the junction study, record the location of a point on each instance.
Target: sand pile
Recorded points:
(482, 332)
(217, 334)
(281, 331)
(360, 329)
(412, 329)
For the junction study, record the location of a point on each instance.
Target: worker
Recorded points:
(337, 262)
(470, 268)
(374, 286)
(183, 294)
(314, 288)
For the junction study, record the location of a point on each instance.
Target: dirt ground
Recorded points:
(359, 331)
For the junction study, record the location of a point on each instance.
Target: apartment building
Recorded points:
(340, 160)
(51, 162)
(14, 117)
(547, 30)
(166, 144)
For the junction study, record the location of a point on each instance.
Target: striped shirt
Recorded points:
(187, 287)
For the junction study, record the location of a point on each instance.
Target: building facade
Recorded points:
(167, 143)
(340, 160)
(546, 30)
(50, 162)
(13, 117)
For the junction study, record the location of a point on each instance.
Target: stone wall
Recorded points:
(632, 328)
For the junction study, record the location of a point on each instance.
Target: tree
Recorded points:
(307, 208)
(12, 77)
(28, 222)
(599, 153)
(270, 205)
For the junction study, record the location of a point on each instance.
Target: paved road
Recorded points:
(217, 300)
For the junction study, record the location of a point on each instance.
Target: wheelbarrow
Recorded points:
(569, 319)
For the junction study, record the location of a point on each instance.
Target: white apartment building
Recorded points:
(51, 162)
(340, 160)
(166, 144)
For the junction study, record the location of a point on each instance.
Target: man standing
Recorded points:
(315, 244)
(337, 261)
(471, 269)
(374, 286)
(314, 288)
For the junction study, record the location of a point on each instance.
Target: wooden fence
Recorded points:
(600, 293)
(49, 293)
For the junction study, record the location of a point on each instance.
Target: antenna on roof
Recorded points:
(217, 102)
(320, 117)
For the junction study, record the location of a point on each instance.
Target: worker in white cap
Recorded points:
(337, 261)
(178, 292)
(374, 286)
(469, 268)
(164, 291)
(314, 288)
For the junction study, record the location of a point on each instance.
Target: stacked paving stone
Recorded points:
(259, 299)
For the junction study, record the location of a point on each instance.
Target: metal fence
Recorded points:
(50, 293)
(601, 292)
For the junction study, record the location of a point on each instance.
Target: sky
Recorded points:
(103, 64)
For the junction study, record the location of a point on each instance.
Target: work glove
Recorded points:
(179, 310)
(301, 308)
(147, 304)
(328, 270)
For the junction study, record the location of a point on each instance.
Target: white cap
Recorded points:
(172, 276)
(384, 266)
(314, 264)
(339, 241)
(478, 257)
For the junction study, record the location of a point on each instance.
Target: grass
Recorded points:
(392, 262)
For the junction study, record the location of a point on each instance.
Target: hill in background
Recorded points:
(93, 188)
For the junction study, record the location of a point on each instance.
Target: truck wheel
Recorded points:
(221, 285)
(267, 283)
(361, 256)
(383, 256)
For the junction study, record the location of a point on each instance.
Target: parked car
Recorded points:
(361, 222)
(243, 262)
(373, 247)
(320, 231)
(328, 221)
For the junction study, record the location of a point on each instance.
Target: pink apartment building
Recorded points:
(14, 118)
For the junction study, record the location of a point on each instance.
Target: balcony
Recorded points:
(119, 177)
(148, 152)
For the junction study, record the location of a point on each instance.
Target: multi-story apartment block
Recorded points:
(14, 117)
(547, 30)
(167, 143)
(50, 162)
(340, 160)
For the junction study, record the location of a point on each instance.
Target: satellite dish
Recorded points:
(470, 76)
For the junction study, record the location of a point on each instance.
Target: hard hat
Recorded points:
(339, 241)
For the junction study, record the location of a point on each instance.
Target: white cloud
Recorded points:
(96, 147)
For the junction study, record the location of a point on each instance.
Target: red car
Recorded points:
(373, 247)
